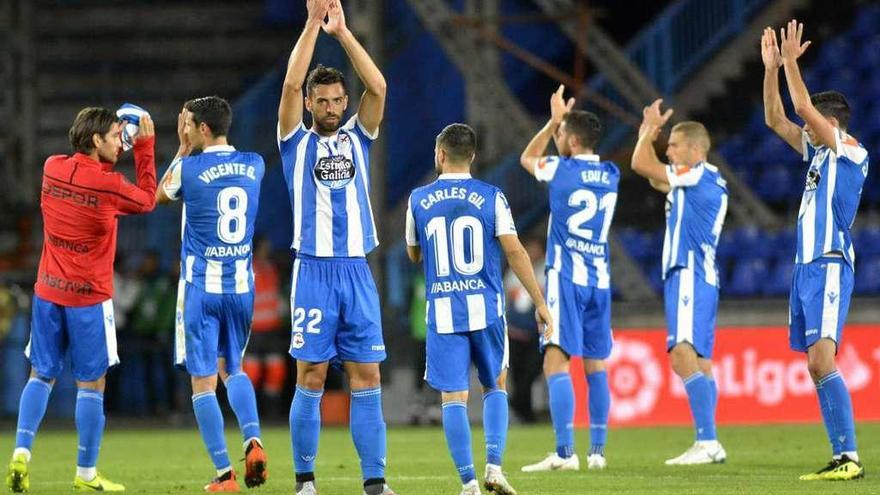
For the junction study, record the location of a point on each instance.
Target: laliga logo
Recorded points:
(635, 379)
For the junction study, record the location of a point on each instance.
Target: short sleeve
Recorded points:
(503, 219)
(172, 182)
(683, 175)
(354, 125)
(292, 138)
(546, 167)
(849, 148)
(412, 238)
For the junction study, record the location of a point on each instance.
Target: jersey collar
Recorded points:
(459, 176)
(587, 158)
(219, 148)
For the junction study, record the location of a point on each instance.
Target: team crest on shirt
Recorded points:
(813, 179)
(335, 171)
(298, 340)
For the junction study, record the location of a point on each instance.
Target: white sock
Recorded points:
(86, 473)
(221, 472)
(493, 467)
(22, 450)
(248, 442)
(471, 483)
(852, 455)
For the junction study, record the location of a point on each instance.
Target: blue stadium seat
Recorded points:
(748, 277)
(867, 276)
(776, 183)
(844, 79)
(779, 282)
(867, 22)
(866, 242)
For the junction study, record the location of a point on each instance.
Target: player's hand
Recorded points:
(545, 321)
(652, 119)
(770, 50)
(791, 47)
(317, 10)
(185, 145)
(146, 128)
(558, 106)
(335, 24)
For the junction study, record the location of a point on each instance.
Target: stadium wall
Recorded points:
(760, 380)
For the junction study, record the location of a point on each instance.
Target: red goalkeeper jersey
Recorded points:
(81, 200)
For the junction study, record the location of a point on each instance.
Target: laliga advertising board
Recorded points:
(760, 380)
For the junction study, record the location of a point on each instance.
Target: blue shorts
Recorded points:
(691, 305)
(209, 327)
(88, 333)
(335, 311)
(449, 357)
(582, 316)
(820, 295)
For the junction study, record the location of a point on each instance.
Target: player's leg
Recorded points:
(490, 352)
(597, 348)
(566, 341)
(234, 336)
(706, 367)
(199, 313)
(45, 350)
(92, 334)
(686, 331)
(361, 347)
(314, 310)
(448, 360)
(825, 311)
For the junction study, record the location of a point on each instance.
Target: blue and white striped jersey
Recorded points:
(456, 220)
(695, 209)
(583, 195)
(328, 179)
(220, 189)
(831, 198)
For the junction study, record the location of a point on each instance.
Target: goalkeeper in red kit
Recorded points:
(81, 199)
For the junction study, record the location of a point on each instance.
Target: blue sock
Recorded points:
(243, 401)
(842, 413)
(562, 412)
(458, 439)
(713, 388)
(368, 431)
(31, 409)
(305, 427)
(90, 426)
(495, 420)
(828, 418)
(599, 404)
(700, 398)
(210, 421)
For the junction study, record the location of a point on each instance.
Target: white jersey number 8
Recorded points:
(232, 205)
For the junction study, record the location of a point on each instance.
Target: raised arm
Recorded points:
(644, 159)
(519, 262)
(536, 147)
(372, 106)
(140, 197)
(290, 109)
(792, 49)
(170, 182)
(774, 112)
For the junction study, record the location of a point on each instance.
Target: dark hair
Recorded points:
(214, 111)
(88, 122)
(832, 104)
(459, 141)
(585, 126)
(323, 75)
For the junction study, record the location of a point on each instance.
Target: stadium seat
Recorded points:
(779, 282)
(748, 277)
(866, 241)
(867, 276)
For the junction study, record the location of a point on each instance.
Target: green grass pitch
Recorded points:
(762, 459)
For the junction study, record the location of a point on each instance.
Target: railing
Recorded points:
(672, 47)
